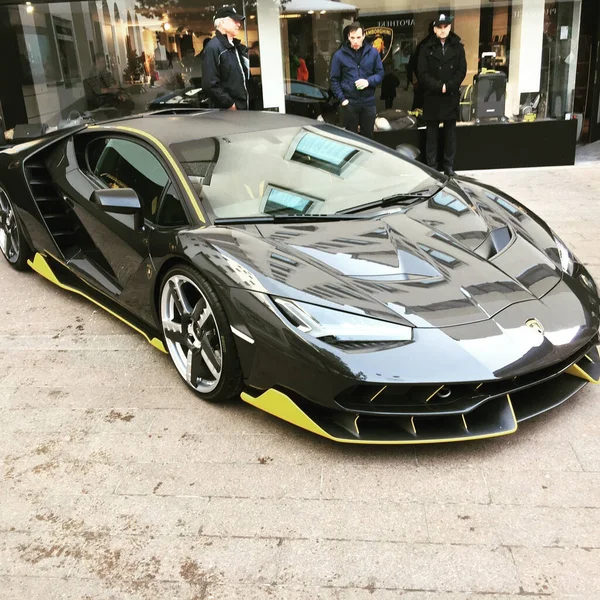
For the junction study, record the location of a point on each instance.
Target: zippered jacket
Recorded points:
(225, 72)
(349, 65)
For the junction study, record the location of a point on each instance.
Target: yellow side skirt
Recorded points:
(41, 266)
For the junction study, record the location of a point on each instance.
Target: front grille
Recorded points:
(453, 399)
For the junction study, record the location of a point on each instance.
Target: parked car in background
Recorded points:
(302, 98)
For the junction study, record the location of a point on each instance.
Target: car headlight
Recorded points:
(332, 325)
(567, 260)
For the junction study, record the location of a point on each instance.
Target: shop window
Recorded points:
(67, 51)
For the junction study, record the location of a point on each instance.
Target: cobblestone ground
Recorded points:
(115, 482)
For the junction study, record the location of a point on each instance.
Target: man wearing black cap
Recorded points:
(441, 68)
(226, 69)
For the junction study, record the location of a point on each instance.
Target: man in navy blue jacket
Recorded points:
(356, 71)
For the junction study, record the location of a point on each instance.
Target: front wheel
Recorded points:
(12, 242)
(198, 335)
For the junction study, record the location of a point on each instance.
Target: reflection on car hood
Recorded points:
(422, 265)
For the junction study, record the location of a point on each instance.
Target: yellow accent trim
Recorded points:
(41, 266)
(479, 385)
(469, 88)
(412, 424)
(167, 155)
(356, 425)
(434, 393)
(464, 422)
(377, 394)
(282, 406)
(579, 372)
(512, 410)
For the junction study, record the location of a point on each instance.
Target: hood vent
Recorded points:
(496, 242)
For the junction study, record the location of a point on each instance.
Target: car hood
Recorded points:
(435, 264)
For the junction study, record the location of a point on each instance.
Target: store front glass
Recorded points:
(107, 58)
(521, 54)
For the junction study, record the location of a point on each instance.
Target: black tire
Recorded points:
(194, 321)
(13, 245)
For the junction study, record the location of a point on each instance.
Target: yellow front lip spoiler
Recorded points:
(495, 418)
(282, 406)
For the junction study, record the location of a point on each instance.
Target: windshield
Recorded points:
(315, 169)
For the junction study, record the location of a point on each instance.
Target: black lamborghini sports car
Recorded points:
(326, 279)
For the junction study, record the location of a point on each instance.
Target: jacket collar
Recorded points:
(348, 49)
(225, 40)
(451, 40)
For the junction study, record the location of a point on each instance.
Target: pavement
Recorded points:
(587, 154)
(116, 482)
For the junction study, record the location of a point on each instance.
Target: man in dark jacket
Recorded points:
(441, 68)
(225, 68)
(411, 72)
(356, 71)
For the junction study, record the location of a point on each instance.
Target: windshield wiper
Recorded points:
(395, 199)
(285, 219)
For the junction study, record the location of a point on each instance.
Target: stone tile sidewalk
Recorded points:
(116, 482)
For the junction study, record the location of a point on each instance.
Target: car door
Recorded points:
(120, 250)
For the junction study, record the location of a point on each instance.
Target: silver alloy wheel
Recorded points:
(191, 333)
(9, 231)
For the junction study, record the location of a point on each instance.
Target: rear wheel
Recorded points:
(12, 242)
(198, 335)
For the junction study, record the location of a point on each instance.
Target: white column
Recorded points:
(572, 56)
(526, 38)
(271, 63)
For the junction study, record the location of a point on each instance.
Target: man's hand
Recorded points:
(444, 88)
(361, 84)
(232, 107)
(345, 102)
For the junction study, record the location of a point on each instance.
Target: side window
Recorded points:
(94, 151)
(126, 164)
(171, 212)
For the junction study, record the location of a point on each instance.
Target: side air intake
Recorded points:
(60, 219)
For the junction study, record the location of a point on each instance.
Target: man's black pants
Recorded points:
(431, 148)
(355, 115)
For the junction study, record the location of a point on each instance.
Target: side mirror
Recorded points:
(408, 151)
(121, 203)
